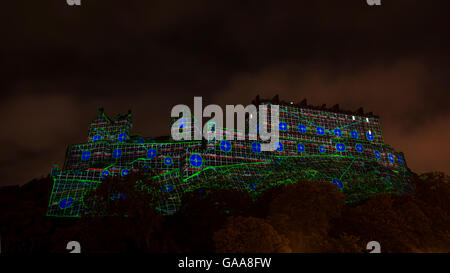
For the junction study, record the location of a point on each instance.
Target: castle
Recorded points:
(316, 143)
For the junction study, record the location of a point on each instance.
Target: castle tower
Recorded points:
(102, 128)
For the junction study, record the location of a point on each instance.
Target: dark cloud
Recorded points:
(59, 63)
(398, 92)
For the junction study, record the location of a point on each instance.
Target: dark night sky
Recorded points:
(59, 63)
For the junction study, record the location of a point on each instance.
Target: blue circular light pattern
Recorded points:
(118, 196)
(337, 132)
(252, 186)
(167, 188)
(86, 155)
(140, 141)
(225, 146)
(391, 158)
(122, 137)
(117, 153)
(151, 153)
(196, 160)
(256, 147)
(283, 126)
(338, 183)
(377, 154)
(354, 134)
(369, 136)
(359, 148)
(105, 174)
(97, 138)
(340, 147)
(400, 161)
(125, 172)
(182, 122)
(168, 161)
(320, 131)
(302, 128)
(301, 147)
(322, 149)
(65, 203)
(279, 146)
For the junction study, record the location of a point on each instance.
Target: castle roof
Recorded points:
(304, 105)
(101, 115)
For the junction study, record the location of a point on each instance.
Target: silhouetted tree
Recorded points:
(203, 211)
(249, 235)
(305, 216)
(303, 210)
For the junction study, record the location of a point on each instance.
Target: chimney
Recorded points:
(360, 111)
(276, 99)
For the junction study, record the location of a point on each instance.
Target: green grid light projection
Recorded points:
(315, 144)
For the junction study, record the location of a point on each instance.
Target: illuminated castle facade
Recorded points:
(316, 143)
